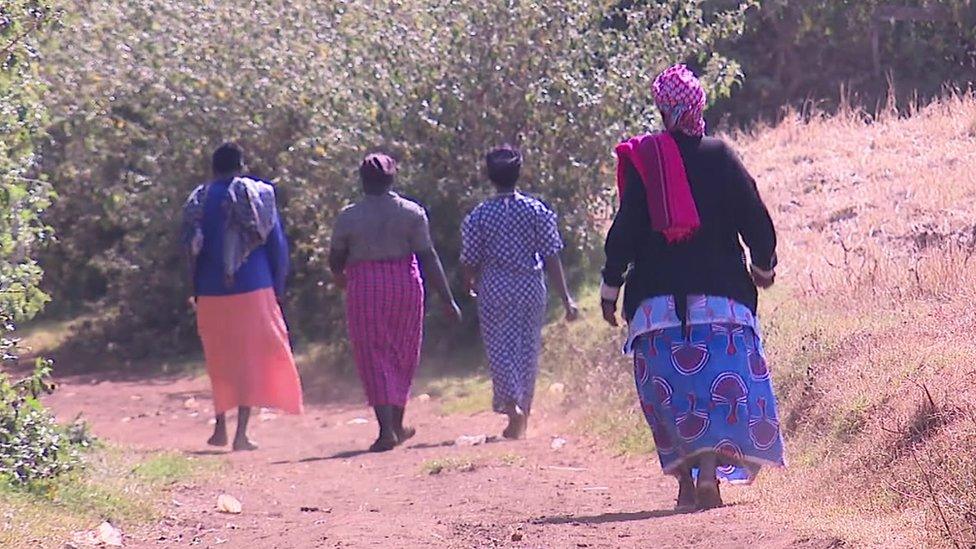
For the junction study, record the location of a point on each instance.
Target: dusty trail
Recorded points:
(309, 486)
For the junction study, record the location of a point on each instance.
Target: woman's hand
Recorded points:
(609, 312)
(470, 286)
(572, 311)
(762, 279)
(192, 302)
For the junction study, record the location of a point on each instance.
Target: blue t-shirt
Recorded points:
(266, 266)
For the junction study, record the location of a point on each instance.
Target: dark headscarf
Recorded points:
(378, 170)
(504, 165)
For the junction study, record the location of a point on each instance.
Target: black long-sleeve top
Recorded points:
(713, 261)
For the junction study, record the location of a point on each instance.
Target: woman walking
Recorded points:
(702, 378)
(375, 247)
(506, 242)
(238, 259)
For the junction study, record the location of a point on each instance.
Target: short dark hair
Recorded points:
(504, 165)
(228, 158)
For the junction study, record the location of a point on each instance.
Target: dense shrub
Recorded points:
(32, 445)
(143, 89)
(796, 52)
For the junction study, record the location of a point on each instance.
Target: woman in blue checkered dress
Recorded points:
(507, 241)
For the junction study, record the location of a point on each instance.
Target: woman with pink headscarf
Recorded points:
(686, 206)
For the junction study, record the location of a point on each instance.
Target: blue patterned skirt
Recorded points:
(512, 310)
(709, 390)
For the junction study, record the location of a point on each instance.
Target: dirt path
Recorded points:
(309, 486)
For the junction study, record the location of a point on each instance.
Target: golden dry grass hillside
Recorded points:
(871, 329)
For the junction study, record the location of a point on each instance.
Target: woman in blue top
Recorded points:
(506, 242)
(238, 261)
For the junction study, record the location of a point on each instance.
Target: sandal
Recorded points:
(384, 444)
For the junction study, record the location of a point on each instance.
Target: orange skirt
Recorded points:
(249, 360)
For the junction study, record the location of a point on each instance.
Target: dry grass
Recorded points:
(872, 337)
(872, 331)
(118, 485)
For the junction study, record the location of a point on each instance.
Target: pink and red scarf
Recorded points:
(680, 95)
(669, 200)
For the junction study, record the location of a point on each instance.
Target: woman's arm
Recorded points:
(472, 250)
(755, 225)
(620, 245)
(549, 245)
(554, 268)
(431, 265)
(190, 272)
(338, 257)
(339, 252)
(278, 255)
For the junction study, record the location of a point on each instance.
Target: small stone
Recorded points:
(109, 535)
(229, 504)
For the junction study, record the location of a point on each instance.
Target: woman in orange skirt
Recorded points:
(238, 261)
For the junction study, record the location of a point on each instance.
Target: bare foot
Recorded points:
(244, 445)
(687, 500)
(517, 424)
(219, 438)
(708, 495)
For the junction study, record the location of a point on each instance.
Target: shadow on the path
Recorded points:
(347, 454)
(607, 518)
(207, 452)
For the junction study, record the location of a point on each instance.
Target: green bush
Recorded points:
(142, 90)
(807, 52)
(33, 447)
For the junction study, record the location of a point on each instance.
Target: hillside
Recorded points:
(872, 333)
(870, 329)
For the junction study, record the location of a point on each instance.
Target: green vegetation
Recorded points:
(171, 467)
(140, 98)
(466, 464)
(32, 447)
(115, 485)
(462, 395)
(447, 465)
(799, 53)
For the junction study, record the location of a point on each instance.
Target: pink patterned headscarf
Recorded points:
(678, 92)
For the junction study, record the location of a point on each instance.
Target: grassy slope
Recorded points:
(116, 485)
(870, 332)
(872, 335)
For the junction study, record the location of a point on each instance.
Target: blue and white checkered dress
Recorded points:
(506, 238)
